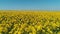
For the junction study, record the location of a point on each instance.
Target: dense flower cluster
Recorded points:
(29, 23)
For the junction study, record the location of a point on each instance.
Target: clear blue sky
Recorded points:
(29, 4)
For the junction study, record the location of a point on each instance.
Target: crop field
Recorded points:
(29, 22)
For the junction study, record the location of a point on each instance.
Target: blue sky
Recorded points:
(29, 4)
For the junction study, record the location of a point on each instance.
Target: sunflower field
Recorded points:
(29, 22)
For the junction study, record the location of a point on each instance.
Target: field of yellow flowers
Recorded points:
(29, 22)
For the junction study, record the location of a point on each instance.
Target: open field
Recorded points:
(29, 22)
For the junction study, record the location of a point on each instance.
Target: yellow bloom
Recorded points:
(58, 32)
(1, 29)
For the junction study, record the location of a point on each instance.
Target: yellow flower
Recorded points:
(43, 30)
(30, 33)
(19, 32)
(58, 32)
(1, 29)
(39, 27)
